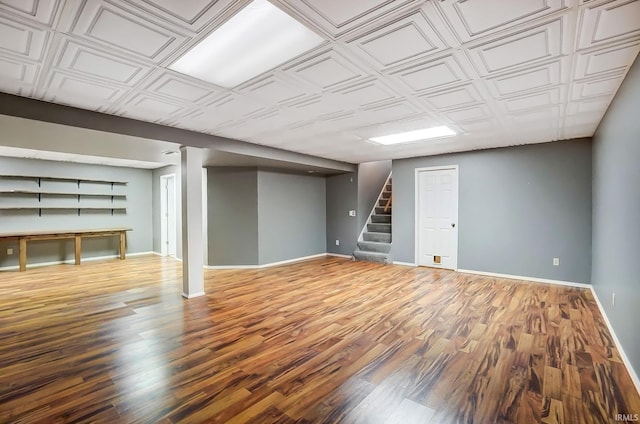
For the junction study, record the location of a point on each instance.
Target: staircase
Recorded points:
(374, 245)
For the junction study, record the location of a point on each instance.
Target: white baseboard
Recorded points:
(625, 358)
(288, 261)
(520, 277)
(338, 255)
(72, 261)
(404, 263)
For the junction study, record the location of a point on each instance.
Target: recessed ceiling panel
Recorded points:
(475, 18)
(610, 59)
(338, 17)
(542, 77)
(273, 89)
(121, 29)
(151, 108)
(327, 70)
(596, 87)
(192, 14)
(365, 94)
(97, 63)
(179, 88)
(431, 75)
(69, 86)
(22, 40)
(608, 22)
(16, 71)
(410, 38)
(532, 101)
(42, 11)
(453, 98)
(539, 43)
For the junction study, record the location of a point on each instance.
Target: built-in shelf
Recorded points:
(30, 192)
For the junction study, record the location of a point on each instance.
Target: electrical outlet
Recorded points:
(352, 212)
(556, 261)
(337, 242)
(613, 299)
(9, 251)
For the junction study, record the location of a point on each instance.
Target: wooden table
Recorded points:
(77, 235)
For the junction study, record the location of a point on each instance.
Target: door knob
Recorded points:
(453, 225)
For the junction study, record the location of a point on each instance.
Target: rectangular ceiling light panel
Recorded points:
(417, 135)
(255, 40)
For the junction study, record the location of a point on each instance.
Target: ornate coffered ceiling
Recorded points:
(497, 72)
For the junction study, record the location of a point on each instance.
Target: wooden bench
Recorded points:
(77, 235)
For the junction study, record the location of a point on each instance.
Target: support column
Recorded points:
(192, 224)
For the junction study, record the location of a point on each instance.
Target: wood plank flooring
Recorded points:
(323, 341)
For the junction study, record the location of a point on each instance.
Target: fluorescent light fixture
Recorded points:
(406, 137)
(255, 40)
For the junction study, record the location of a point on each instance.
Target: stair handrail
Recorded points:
(388, 204)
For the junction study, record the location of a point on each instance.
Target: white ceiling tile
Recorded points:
(327, 70)
(42, 11)
(590, 106)
(179, 88)
(537, 78)
(337, 17)
(483, 126)
(121, 29)
(542, 117)
(608, 22)
(457, 97)
(472, 18)
(431, 75)
(145, 106)
(469, 114)
(403, 40)
(22, 40)
(65, 86)
(614, 58)
(98, 63)
(389, 112)
(273, 88)
(365, 94)
(532, 101)
(526, 48)
(191, 14)
(596, 87)
(17, 72)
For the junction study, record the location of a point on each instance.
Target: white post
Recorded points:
(192, 223)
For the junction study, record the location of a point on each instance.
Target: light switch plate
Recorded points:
(352, 212)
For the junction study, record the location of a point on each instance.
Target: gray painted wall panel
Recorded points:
(232, 196)
(138, 215)
(291, 215)
(616, 202)
(371, 177)
(518, 208)
(342, 196)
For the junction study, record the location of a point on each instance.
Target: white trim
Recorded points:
(191, 296)
(375, 205)
(288, 261)
(520, 277)
(404, 263)
(625, 358)
(164, 224)
(338, 255)
(73, 261)
(416, 233)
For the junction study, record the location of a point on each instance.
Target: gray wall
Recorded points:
(519, 207)
(371, 177)
(291, 216)
(342, 196)
(616, 202)
(138, 214)
(232, 197)
(157, 173)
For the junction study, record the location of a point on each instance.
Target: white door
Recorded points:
(168, 214)
(437, 216)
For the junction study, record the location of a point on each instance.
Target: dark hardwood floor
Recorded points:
(323, 341)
